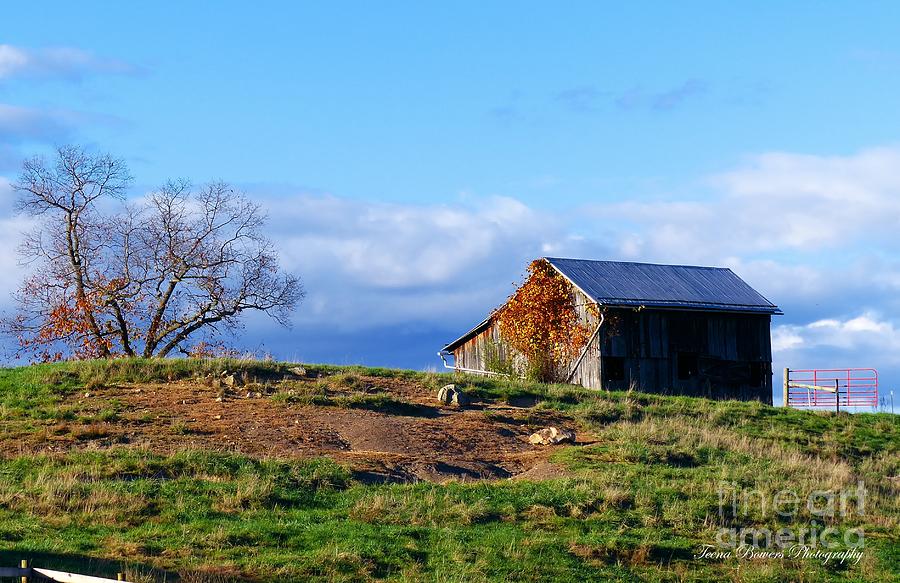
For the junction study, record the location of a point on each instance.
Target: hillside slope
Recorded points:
(217, 470)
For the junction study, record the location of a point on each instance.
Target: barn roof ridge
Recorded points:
(637, 263)
(660, 285)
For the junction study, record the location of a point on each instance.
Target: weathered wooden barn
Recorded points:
(671, 329)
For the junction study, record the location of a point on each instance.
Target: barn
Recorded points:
(671, 329)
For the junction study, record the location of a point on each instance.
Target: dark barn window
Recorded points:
(688, 365)
(756, 374)
(613, 368)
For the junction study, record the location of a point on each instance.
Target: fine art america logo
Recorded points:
(808, 525)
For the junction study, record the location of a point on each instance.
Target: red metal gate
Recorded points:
(831, 387)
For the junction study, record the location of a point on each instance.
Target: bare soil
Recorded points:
(428, 442)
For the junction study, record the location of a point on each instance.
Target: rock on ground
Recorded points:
(452, 395)
(552, 436)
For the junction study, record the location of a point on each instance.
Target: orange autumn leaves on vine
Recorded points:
(540, 321)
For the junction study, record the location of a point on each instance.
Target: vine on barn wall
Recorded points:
(540, 322)
(497, 358)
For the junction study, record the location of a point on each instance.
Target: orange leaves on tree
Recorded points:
(66, 320)
(540, 321)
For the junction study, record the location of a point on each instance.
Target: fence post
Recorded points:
(787, 374)
(24, 564)
(837, 396)
(120, 576)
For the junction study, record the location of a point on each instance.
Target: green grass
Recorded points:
(639, 503)
(299, 520)
(854, 437)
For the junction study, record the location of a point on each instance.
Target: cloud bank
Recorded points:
(775, 202)
(65, 63)
(368, 264)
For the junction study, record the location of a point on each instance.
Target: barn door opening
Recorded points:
(613, 368)
(688, 365)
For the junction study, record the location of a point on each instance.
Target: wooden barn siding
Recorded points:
(726, 344)
(473, 353)
(649, 342)
(588, 372)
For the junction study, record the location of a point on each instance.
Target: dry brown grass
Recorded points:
(402, 507)
(251, 493)
(72, 496)
(682, 434)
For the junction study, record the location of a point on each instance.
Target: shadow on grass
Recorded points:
(637, 555)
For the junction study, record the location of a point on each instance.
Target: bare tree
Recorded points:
(140, 279)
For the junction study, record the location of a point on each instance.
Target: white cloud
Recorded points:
(367, 263)
(786, 280)
(813, 202)
(11, 229)
(862, 340)
(784, 338)
(397, 246)
(59, 62)
(775, 202)
(867, 328)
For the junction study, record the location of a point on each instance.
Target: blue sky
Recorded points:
(415, 156)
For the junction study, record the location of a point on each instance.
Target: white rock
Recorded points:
(452, 395)
(552, 436)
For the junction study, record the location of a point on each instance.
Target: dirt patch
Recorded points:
(380, 443)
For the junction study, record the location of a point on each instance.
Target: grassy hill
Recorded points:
(172, 469)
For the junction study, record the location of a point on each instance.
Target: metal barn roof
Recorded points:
(679, 287)
(618, 283)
